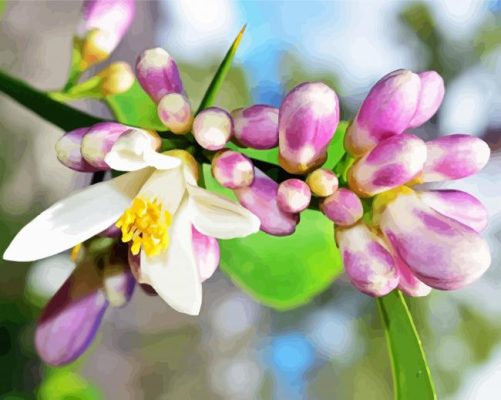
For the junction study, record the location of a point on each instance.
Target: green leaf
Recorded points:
(59, 114)
(411, 375)
(135, 107)
(222, 71)
(266, 268)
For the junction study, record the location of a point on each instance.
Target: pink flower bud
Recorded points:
(118, 283)
(343, 207)
(293, 196)
(256, 126)
(99, 140)
(260, 198)
(455, 157)
(207, 256)
(174, 110)
(308, 119)
(322, 182)
(212, 128)
(393, 162)
(69, 153)
(458, 205)
(71, 318)
(387, 110)
(232, 169)
(430, 97)
(408, 283)
(441, 252)
(367, 263)
(158, 74)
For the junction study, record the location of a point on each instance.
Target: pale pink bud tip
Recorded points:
(256, 126)
(308, 119)
(430, 97)
(158, 74)
(261, 199)
(408, 283)
(387, 110)
(367, 263)
(455, 157)
(293, 196)
(174, 110)
(232, 169)
(322, 182)
(393, 162)
(343, 207)
(212, 128)
(207, 255)
(99, 140)
(68, 151)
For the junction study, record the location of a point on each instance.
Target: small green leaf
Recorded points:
(266, 267)
(411, 374)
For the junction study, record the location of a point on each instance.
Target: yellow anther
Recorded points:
(75, 251)
(146, 225)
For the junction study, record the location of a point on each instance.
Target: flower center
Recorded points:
(146, 225)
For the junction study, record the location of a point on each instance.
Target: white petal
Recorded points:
(174, 273)
(76, 218)
(135, 150)
(167, 186)
(216, 216)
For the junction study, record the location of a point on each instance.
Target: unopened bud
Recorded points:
(322, 182)
(293, 195)
(232, 170)
(68, 151)
(256, 126)
(174, 110)
(343, 207)
(116, 78)
(212, 128)
(99, 140)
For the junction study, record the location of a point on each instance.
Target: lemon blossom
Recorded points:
(155, 205)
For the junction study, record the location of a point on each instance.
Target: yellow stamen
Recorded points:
(145, 224)
(75, 251)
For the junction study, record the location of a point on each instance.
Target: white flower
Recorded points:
(155, 206)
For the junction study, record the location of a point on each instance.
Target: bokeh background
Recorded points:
(237, 349)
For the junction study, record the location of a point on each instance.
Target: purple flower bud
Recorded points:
(119, 283)
(387, 110)
(408, 283)
(308, 119)
(212, 128)
(68, 151)
(458, 205)
(158, 74)
(71, 318)
(343, 207)
(99, 140)
(293, 196)
(393, 162)
(111, 232)
(103, 25)
(207, 255)
(322, 182)
(455, 157)
(367, 262)
(256, 126)
(134, 264)
(430, 97)
(441, 252)
(174, 110)
(260, 198)
(232, 169)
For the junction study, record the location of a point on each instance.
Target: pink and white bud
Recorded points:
(293, 196)
(68, 151)
(158, 74)
(430, 97)
(441, 252)
(386, 111)
(393, 162)
(458, 205)
(408, 282)
(103, 25)
(99, 140)
(118, 283)
(308, 119)
(455, 157)
(232, 170)
(174, 110)
(322, 182)
(367, 262)
(207, 255)
(256, 126)
(212, 128)
(260, 198)
(343, 207)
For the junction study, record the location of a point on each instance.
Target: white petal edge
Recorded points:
(76, 218)
(216, 216)
(174, 273)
